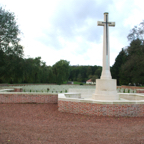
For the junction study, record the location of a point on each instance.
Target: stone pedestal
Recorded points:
(106, 90)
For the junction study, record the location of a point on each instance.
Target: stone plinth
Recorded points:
(106, 90)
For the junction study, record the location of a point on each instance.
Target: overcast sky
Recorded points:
(67, 29)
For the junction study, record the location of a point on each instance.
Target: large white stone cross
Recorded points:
(106, 54)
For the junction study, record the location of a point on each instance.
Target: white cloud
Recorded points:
(67, 29)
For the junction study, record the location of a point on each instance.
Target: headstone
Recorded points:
(118, 90)
(121, 90)
(134, 90)
(126, 90)
(131, 90)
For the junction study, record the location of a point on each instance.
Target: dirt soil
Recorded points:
(44, 124)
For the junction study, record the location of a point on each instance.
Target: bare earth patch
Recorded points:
(44, 124)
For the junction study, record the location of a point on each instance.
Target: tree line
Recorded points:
(14, 68)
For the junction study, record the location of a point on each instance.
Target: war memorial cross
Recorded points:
(106, 70)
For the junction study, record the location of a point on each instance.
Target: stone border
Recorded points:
(117, 108)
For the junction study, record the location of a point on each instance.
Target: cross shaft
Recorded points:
(106, 68)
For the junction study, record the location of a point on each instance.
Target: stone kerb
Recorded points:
(25, 97)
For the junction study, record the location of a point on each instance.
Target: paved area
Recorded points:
(44, 124)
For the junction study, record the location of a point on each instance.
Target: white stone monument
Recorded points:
(106, 87)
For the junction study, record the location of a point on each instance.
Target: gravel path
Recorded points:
(44, 124)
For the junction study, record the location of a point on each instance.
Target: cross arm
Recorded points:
(100, 23)
(111, 24)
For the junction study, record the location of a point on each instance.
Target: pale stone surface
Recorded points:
(6, 90)
(121, 90)
(106, 52)
(106, 86)
(122, 100)
(85, 93)
(126, 90)
(73, 95)
(131, 90)
(106, 90)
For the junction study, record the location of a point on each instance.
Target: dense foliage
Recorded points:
(33, 70)
(10, 51)
(116, 68)
(83, 73)
(129, 64)
(9, 31)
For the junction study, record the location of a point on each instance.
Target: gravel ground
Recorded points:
(44, 124)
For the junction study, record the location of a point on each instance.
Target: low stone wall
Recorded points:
(130, 87)
(140, 90)
(117, 110)
(21, 97)
(128, 96)
(18, 89)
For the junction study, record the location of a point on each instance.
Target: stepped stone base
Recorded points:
(106, 89)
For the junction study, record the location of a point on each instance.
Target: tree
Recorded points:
(10, 50)
(9, 31)
(137, 32)
(93, 78)
(61, 71)
(129, 64)
(132, 71)
(79, 78)
(119, 61)
(89, 71)
(51, 77)
(98, 71)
